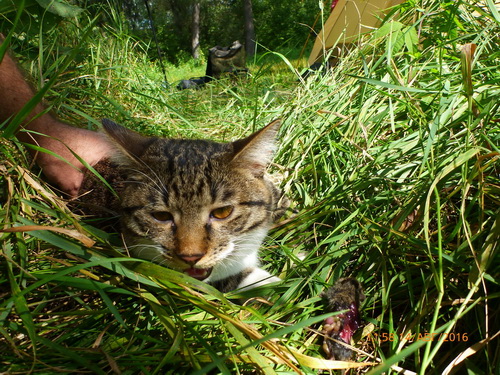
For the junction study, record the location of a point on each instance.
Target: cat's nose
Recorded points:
(191, 259)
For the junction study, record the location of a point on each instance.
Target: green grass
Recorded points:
(391, 163)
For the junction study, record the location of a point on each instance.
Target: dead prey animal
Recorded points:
(345, 295)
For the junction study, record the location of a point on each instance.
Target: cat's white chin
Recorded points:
(239, 256)
(230, 267)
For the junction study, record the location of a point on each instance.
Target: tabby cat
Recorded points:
(198, 206)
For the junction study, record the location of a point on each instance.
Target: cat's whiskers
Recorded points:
(224, 267)
(243, 243)
(160, 188)
(140, 248)
(147, 166)
(217, 258)
(161, 192)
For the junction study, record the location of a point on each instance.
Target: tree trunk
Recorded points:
(249, 28)
(195, 38)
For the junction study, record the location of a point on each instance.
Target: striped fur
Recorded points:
(198, 206)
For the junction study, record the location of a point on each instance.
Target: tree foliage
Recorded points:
(277, 23)
(222, 22)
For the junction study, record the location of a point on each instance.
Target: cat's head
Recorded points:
(197, 206)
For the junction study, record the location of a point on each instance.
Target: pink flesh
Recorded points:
(350, 325)
(346, 334)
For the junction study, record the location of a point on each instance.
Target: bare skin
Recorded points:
(60, 138)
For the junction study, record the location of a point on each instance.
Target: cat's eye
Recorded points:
(162, 216)
(221, 212)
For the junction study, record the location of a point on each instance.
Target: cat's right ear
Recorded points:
(130, 144)
(256, 151)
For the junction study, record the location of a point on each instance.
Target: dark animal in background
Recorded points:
(220, 60)
(193, 83)
(345, 294)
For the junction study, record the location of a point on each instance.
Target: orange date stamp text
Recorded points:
(422, 336)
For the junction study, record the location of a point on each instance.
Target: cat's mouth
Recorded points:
(198, 273)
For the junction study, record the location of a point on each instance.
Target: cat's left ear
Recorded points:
(130, 144)
(256, 151)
